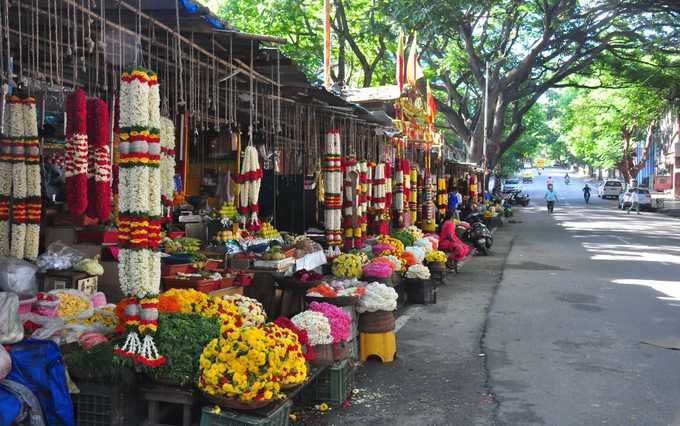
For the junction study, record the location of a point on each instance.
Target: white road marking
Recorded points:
(403, 319)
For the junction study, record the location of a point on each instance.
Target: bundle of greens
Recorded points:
(405, 237)
(181, 339)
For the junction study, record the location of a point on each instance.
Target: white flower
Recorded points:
(18, 244)
(418, 253)
(32, 241)
(418, 271)
(378, 297)
(317, 326)
(4, 238)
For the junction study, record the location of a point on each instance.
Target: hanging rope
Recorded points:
(179, 56)
(250, 73)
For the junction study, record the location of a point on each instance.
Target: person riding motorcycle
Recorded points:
(586, 193)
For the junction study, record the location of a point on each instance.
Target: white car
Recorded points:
(510, 185)
(643, 195)
(610, 189)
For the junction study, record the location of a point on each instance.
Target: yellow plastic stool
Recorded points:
(383, 345)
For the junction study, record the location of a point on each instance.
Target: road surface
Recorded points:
(581, 290)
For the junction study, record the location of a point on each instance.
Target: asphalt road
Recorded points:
(581, 290)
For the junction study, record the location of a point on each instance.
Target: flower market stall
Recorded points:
(186, 220)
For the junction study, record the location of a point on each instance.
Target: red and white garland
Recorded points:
(167, 161)
(333, 188)
(33, 187)
(139, 190)
(19, 184)
(76, 152)
(363, 198)
(99, 160)
(6, 178)
(351, 191)
(250, 180)
(413, 195)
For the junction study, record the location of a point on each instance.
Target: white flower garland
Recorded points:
(33, 179)
(167, 160)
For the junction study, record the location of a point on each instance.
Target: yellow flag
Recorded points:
(413, 70)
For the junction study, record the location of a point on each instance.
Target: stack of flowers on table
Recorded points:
(293, 362)
(414, 231)
(341, 326)
(417, 252)
(380, 268)
(398, 246)
(338, 288)
(250, 309)
(348, 265)
(301, 334)
(318, 330)
(435, 256)
(190, 301)
(418, 271)
(378, 297)
(428, 244)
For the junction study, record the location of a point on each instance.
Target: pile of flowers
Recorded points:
(407, 259)
(246, 365)
(190, 301)
(348, 266)
(414, 231)
(284, 322)
(418, 272)
(316, 325)
(426, 244)
(378, 297)
(380, 267)
(293, 363)
(398, 246)
(403, 236)
(418, 253)
(339, 320)
(325, 290)
(436, 256)
(250, 309)
(381, 248)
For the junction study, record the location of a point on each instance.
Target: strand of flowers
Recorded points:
(413, 195)
(167, 161)
(99, 163)
(76, 152)
(250, 180)
(33, 190)
(139, 211)
(399, 188)
(6, 174)
(388, 187)
(363, 199)
(333, 188)
(19, 189)
(350, 204)
(442, 195)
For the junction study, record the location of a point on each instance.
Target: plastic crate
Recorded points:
(421, 292)
(238, 418)
(100, 405)
(333, 386)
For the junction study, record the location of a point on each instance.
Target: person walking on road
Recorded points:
(550, 198)
(634, 201)
(549, 182)
(586, 193)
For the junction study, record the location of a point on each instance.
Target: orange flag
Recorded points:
(431, 105)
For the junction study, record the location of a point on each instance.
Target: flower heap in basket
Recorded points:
(436, 256)
(338, 288)
(250, 361)
(381, 267)
(348, 265)
(326, 325)
(378, 297)
(139, 189)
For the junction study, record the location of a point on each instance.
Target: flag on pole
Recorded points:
(413, 70)
(400, 63)
(431, 105)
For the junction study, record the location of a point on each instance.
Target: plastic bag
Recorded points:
(11, 327)
(18, 276)
(51, 327)
(5, 363)
(87, 310)
(58, 256)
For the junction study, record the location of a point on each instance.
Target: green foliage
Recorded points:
(181, 339)
(94, 365)
(404, 237)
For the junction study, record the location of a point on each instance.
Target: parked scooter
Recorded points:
(515, 198)
(478, 235)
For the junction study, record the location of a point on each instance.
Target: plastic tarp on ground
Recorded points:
(37, 364)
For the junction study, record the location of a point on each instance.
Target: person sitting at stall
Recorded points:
(450, 243)
(453, 202)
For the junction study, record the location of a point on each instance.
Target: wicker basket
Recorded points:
(437, 266)
(376, 322)
(323, 355)
(236, 404)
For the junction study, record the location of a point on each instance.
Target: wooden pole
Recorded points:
(327, 44)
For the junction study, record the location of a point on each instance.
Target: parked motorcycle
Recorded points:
(515, 198)
(478, 235)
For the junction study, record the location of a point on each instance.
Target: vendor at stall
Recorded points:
(449, 241)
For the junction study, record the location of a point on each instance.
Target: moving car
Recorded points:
(643, 195)
(527, 176)
(610, 188)
(510, 185)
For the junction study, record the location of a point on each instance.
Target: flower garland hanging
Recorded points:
(442, 196)
(19, 182)
(167, 161)
(76, 152)
(413, 195)
(350, 205)
(139, 212)
(363, 199)
(12, 114)
(99, 160)
(333, 188)
(33, 190)
(250, 180)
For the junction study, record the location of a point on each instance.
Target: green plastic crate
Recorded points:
(333, 386)
(235, 418)
(101, 405)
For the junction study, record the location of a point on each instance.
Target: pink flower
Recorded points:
(339, 319)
